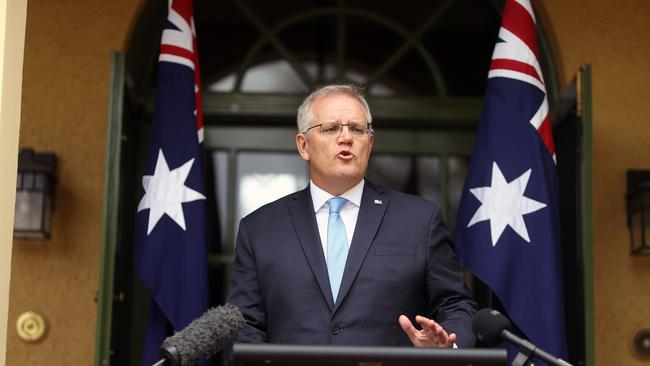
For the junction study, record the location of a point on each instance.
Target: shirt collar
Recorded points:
(319, 196)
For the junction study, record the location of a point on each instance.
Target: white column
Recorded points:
(13, 15)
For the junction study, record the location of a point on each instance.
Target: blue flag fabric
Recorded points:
(170, 250)
(508, 228)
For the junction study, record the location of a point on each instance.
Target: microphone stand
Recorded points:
(523, 358)
(527, 350)
(169, 356)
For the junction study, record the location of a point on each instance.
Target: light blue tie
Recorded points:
(337, 244)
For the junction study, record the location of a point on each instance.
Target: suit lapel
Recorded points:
(373, 207)
(301, 209)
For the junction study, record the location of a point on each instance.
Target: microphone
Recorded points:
(203, 337)
(491, 327)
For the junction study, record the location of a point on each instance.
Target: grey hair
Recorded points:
(305, 115)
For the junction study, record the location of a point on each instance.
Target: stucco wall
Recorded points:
(613, 37)
(64, 109)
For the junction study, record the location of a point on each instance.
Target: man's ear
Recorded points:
(303, 146)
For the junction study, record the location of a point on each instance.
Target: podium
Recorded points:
(300, 355)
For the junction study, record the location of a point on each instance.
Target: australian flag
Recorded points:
(170, 244)
(508, 228)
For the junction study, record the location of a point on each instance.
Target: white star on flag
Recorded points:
(504, 204)
(165, 191)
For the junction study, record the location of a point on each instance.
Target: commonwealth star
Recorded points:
(504, 204)
(165, 191)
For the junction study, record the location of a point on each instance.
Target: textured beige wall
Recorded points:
(12, 39)
(64, 110)
(613, 36)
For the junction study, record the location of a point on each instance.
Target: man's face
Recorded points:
(337, 162)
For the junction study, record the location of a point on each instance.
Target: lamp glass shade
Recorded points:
(639, 220)
(636, 235)
(29, 206)
(645, 248)
(32, 214)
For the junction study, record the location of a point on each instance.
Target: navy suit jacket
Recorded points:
(400, 261)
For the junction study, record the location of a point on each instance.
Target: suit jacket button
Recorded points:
(336, 330)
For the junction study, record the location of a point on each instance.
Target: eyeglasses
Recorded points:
(336, 128)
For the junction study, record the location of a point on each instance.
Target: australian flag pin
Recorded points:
(377, 202)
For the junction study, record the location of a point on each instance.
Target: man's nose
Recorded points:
(344, 133)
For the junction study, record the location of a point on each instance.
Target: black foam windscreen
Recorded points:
(488, 325)
(204, 336)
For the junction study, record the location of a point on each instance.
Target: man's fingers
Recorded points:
(406, 324)
(436, 333)
(424, 322)
(440, 332)
(451, 340)
(432, 327)
(408, 327)
(431, 335)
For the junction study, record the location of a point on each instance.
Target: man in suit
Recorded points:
(307, 272)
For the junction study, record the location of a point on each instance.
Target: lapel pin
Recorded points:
(377, 202)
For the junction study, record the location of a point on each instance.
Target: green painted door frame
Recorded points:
(584, 108)
(105, 296)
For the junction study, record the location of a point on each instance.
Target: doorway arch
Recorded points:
(427, 60)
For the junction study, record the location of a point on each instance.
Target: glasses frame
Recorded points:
(369, 130)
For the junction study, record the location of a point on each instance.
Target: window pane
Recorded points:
(280, 77)
(457, 166)
(429, 178)
(221, 171)
(392, 171)
(263, 177)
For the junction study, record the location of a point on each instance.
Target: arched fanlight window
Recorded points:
(279, 77)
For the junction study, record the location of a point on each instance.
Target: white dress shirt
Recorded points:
(349, 212)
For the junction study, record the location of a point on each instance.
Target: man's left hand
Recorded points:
(432, 334)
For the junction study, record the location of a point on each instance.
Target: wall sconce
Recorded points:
(34, 195)
(638, 211)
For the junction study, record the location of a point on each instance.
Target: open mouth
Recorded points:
(345, 155)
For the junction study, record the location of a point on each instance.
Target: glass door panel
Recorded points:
(265, 176)
(253, 167)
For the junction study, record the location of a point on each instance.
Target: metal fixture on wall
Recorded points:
(641, 343)
(34, 194)
(638, 211)
(31, 326)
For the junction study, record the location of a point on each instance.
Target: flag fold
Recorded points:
(170, 249)
(507, 231)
